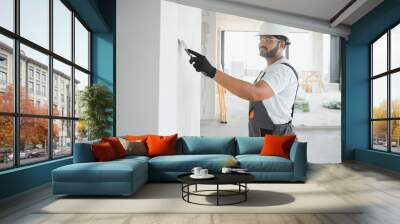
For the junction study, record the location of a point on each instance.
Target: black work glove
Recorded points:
(201, 64)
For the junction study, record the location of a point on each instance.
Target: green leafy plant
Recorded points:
(96, 102)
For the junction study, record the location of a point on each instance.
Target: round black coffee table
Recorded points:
(238, 179)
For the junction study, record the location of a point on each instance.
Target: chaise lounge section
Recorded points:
(125, 176)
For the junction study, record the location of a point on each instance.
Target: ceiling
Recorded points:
(317, 9)
(315, 15)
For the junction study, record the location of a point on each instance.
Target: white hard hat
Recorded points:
(274, 30)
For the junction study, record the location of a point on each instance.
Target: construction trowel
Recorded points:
(183, 44)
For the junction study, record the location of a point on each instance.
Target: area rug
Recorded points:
(166, 198)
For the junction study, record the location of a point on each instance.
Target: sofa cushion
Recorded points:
(161, 145)
(249, 145)
(198, 145)
(103, 151)
(112, 171)
(275, 145)
(116, 145)
(257, 163)
(185, 163)
(135, 147)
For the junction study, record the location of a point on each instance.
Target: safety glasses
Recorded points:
(268, 39)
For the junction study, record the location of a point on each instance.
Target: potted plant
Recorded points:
(96, 102)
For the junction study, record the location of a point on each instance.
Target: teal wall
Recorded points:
(103, 52)
(102, 64)
(24, 178)
(99, 15)
(102, 59)
(356, 85)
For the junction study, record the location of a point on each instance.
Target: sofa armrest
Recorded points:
(298, 155)
(83, 152)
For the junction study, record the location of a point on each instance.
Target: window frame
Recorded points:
(16, 114)
(388, 74)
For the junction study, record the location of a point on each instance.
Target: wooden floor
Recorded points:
(377, 188)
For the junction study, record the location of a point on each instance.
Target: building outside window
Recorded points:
(55, 99)
(38, 89)
(3, 78)
(30, 87)
(3, 61)
(43, 90)
(44, 77)
(3, 72)
(37, 75)
(30, 72)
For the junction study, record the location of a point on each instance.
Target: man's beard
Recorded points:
(269, 54)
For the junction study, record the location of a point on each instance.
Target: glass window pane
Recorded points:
(6, 74)
(7, 14)
(379, 97)
(33, 139)
(395, 47)
(62, 29)
(395, 94)
(81, 131)
(34, 97)
(241, 54)
(35, 21)
(81, 45)
(379, 135)
(62, 138)
(379, 55)
(6, 142)
(395, 136)
(81, 81)
(62, 89)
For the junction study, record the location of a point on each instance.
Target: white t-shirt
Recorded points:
(283, 82)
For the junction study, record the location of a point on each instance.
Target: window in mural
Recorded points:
(37, 116)
(385, 96)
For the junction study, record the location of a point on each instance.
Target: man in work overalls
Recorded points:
(272, 94)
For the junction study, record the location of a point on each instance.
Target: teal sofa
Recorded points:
(125, 176)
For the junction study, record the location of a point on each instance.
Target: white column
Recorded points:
(209, 49)
(158, 91)
(137, 71)
(317, 49)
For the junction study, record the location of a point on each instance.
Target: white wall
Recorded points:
(168, 86)
(188, 79)
(138, 55)
(158, 91)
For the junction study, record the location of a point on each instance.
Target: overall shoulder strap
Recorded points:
(260, 76)
(297, 77)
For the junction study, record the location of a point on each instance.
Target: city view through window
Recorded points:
(32, 130)
(385, 80)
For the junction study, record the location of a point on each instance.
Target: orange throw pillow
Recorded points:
(161, 145)
(275, 145)
(103, 152)
(116, 145)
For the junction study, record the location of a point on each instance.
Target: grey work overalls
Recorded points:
(260, 122)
